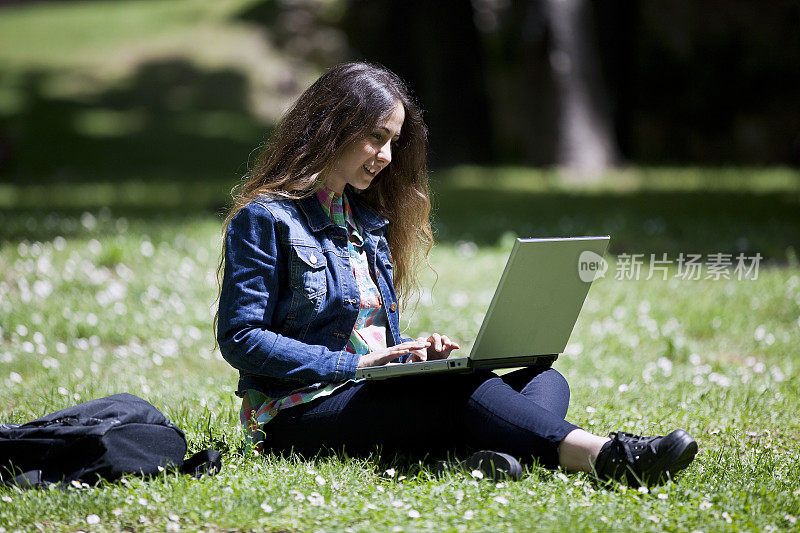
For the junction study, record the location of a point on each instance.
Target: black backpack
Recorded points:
(99, 439)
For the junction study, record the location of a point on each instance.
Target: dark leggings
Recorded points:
(520, 413)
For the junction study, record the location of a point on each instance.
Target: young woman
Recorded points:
(320, 248)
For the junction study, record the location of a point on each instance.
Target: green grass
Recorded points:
(79, 34)
(95, 301)
(179, 90)
(125, 123)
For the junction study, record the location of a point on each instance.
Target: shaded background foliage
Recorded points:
(683, 82)
(701, 83)
(156, 108)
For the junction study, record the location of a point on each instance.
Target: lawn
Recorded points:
(95, 301)
(124, 124)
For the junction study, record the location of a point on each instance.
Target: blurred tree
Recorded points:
(538, 99)
(549, 102)
(713, 82)
(436, 48)
(586, 142)
(581, 83)
(524, 102)
(617, 26)
(585, 83)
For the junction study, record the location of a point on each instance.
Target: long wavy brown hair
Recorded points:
(343, 107)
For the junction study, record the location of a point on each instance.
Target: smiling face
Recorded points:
(361, 161)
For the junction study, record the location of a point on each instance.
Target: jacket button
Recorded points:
(393, 307)
(312, 258)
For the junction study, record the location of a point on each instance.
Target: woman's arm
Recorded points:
(254, 273)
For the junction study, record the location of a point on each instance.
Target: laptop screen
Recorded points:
(538, 298)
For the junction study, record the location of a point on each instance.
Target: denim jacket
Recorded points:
(289, 299)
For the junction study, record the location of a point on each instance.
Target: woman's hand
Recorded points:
(439, 347)
(385, 355)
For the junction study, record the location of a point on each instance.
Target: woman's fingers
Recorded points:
(418, 355)
(450, 344)
(408, 346)
(386, 355)
(436, 342)
(417, 349)
(412, 347)
(376, 359)
(436, 346)
(390, 354)
(440, 346)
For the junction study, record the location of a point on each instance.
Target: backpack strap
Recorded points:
(26, 480)
(205, 462)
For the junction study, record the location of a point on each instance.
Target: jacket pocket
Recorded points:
(308, 272)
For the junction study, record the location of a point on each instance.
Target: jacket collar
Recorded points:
(319, 220)
(369, 219)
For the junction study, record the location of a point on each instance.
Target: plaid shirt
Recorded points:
(368, 334)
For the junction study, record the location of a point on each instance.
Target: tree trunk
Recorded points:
(586, 142)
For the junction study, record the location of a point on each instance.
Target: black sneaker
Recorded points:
(645, 460)
(494, 466)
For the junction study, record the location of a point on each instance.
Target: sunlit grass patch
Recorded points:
(75, 34)
(109, 303)
(624, 180)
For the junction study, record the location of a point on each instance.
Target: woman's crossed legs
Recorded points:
(520, 413)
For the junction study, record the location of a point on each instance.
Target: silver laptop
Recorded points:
(533, 310)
